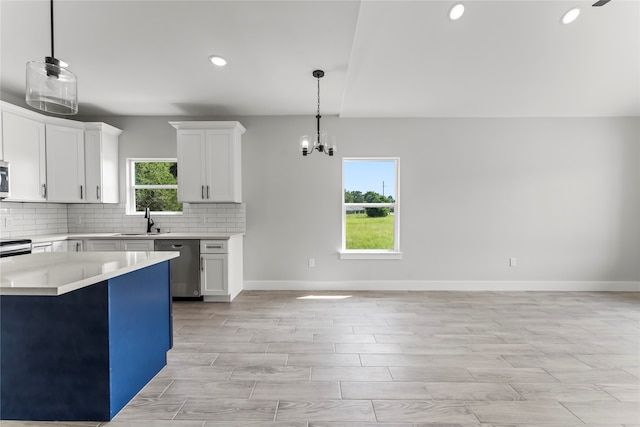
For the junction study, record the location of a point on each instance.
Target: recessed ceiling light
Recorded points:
(456, 11)
(571, 15)
(218, 60)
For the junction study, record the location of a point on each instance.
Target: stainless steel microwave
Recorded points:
(4, 180)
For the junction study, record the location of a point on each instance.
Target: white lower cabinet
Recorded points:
(221, 268)
(213, 274)
(136, 245)
(55, 246)
(59, 246)
(107, 245)
(74, 245)
(37, 248)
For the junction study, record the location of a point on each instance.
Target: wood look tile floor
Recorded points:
(397, 359)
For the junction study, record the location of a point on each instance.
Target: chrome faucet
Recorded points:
(147, 215)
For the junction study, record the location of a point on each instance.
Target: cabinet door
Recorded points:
(41, 247)
(59, 246)
(213, 274)
(74, 245)
(101, 163)
(222, 175)
(191, 166)
(65, 164)
(24, 149)
(102, 245)
(137, 245)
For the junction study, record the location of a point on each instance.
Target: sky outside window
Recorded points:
(369, 175)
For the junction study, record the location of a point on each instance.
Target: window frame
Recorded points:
(394, 253)
(131, 186)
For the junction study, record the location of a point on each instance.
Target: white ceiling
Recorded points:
(381, 58)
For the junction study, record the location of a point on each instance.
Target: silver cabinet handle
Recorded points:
(213, 246)
(44, 191)
(98, 192)
(202, 191)
(81, 192)
(201, 264)
(207, 191)
(176, 246)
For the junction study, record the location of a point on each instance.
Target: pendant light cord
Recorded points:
(52, 55)
(318, 113)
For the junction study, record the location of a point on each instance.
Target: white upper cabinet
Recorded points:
(192, 166)
(101, 163)
(65, 164)
(24, 148)
(209, 161)
(59, 160)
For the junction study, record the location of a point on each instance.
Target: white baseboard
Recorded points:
(443, 285)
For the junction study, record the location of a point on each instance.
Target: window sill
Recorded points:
(351, 254)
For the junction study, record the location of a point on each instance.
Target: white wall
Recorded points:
(561, 195)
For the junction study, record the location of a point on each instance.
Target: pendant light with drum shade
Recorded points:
(50, 85)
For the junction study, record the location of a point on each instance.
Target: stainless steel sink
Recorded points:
(137, 234)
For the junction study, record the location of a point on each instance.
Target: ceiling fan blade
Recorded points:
(601, 2)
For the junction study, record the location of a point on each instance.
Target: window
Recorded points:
(152, 183)
(370, 208)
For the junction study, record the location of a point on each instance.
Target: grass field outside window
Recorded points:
(369, 233)
(370, 208)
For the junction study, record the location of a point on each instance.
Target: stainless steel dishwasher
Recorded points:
(185, 270)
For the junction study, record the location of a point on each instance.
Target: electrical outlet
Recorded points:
(512, 262)
(312, 262)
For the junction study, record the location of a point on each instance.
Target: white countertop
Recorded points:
(56, 273)
(126, 236)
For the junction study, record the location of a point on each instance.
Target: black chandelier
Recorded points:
(320, 141)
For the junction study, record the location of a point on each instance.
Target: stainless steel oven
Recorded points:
(4, 180)
(14, 247)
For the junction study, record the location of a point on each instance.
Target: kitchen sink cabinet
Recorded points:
(101, 162)
(65, 164)
(136, 245)
(107, 245)
(24, 148)
(104, 245)
(209, 161)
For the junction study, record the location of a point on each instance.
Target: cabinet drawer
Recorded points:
(137, 245)
(213, 246)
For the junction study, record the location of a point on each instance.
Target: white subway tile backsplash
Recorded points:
(195, 218)
(28, 219)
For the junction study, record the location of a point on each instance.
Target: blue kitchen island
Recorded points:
(81, 333)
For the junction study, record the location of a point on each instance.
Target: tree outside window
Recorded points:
(153, 185)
